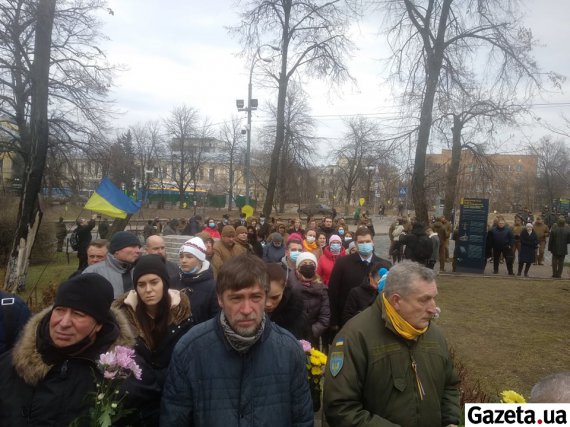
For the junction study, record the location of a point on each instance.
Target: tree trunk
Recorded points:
(29, 212)
(434, 64)
(118, 224)
(453, 170)
(231, 192)
(283, 176)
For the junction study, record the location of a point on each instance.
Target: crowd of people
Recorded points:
(216, 331)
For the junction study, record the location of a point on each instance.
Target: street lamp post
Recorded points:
(251, 106)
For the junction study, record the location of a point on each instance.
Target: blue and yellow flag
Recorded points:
(110, 201)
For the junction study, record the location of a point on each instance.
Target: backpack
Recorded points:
(74, 240)
(423, 249)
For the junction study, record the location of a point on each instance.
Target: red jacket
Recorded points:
(326, 264)
(213, 232)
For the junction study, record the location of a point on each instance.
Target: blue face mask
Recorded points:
(341, 232)
(212, 224)
(335, 247)
(365, 249)
(293, 255)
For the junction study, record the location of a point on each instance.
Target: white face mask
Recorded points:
(310, 239)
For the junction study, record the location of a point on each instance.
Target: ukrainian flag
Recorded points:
(110, 201)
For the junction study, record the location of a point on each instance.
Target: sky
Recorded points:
(178, 52)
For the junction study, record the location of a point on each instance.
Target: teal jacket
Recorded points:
(375, 384)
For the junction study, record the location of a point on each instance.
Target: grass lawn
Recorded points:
(507, 332)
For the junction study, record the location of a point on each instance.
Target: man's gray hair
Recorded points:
(553, 388)
(403, 275)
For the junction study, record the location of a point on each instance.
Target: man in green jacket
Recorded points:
(389, 365)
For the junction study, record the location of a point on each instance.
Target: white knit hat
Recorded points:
(195, 246)
(305, 256)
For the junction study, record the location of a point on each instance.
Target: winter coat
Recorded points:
(192, 228)
(169, 230)
(290, 313)
(213, 232)
(348, 273)
(359, 298)
(435, 251)
(326, 264)
(375, 385)
(200, 288)
(502, 237)
(559, 239)
(411, 240)
(14, 314)
(211, 384)
(273, 254)
(316, 306)
(60, 231)
(222, 253)
(180, 322)
(34, 392)
(113, 270)
(529, 243)
(84, 235)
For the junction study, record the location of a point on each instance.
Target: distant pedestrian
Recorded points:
(103, 228)
(527, 254)
(558, 245)
(60, 233)
(83, 231)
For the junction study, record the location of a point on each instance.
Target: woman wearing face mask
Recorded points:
(196, 276)
(347, 239)
(315, 296)
(254, 241)
(158, 316)
(310, 243)
(212, 229)
(284, 305)
(330, 254)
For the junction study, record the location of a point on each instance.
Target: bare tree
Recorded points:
(29, 213)
(433, 44)
(309, 36)
(298, 145)
(147, 145)
(232, 138)
(479, 115)
(362, 149)
(553, 167)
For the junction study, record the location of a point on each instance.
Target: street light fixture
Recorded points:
(252, 105)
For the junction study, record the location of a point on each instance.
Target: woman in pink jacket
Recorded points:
(330, 254)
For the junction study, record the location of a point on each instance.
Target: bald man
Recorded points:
(155, 245)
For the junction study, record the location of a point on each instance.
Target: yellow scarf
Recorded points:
(310, 247)
(404, 329)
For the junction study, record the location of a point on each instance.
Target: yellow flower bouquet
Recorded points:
(316, 362)
(510, 396)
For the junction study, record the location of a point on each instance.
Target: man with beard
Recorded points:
(238, 368)
(124, 251)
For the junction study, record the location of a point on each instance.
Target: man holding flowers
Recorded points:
(390, 365)
(238, 368)
(52, 371)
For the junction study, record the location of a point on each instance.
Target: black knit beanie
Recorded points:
(90, 293)
(123, 239)
(151, 264)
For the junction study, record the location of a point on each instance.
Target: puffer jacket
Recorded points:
(180, 322)
(211, 384)
(200, 288)
(36, 393)
(326, 264)
(316, 303)
(375, 385)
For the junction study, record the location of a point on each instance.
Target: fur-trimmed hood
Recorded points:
(28, 362)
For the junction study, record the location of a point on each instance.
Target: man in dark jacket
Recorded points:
(238, 368)
(349, 271)
(362, 297)
(558, 245)
(47, 378)
(419, 247)
(60, 233)
(503, 241)
(83, 231)
(390, 365)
